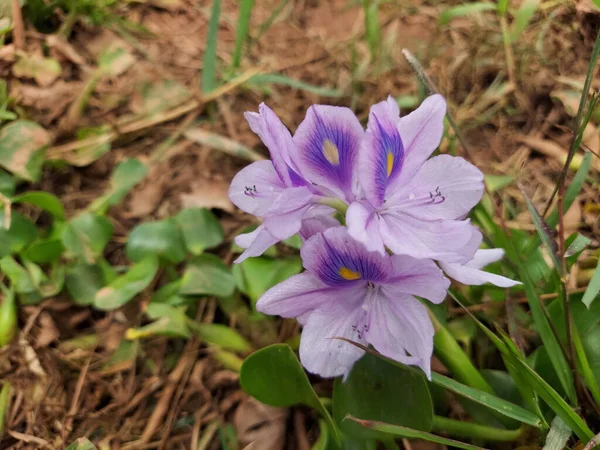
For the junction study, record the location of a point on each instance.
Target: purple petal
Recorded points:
(255, 188)
(317, 220)
(445, 187)
(420, 277)
(382, 152)
(255, 243)
(284, 217)
(447, 240)
(295, 296)
(319, 352)
(328, 140)
(363, 225)
(339, 260)
(421, 132)
(400, 329)
(470, 273)
(277, 139)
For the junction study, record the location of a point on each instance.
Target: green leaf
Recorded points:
(169, 293)
(81, 444)
(254, 276)
(83, 281)
(7, 184)
(209, 76)
(22, 147)
(22, 231)
(86, 235)
(162, 239)
(220, 335)
(273, 375)
(160, 96)
(371, 392)
(593, 288)
(43, 70)
(405, 432)
(558, 435)
(45, 200)
(576, 245)
(9, 319)
(19, 277)
(496, 182)
(201, 229)
(207, 275)
(522, 17)
(241, 32)
(127, 174)
(372, 27)
(127, 286)
(115, 60)
(44, 250)
(464, 10)
(275, 78)
(170, 321)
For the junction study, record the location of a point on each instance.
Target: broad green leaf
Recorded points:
(127, 286)
(84, 155)
(124, 356)
(7, 184)
(83, 281)
(371, 391)
(207, 275)
(201, 229)
(44, 250)
(169, 293)
(464, 10)
(410, 433)
(22, 147)
(81, 444)
(45, 200)
(295, 242)
(127, 174)
(273, 375)
(558, 435)
(254, 276)
(209, 70)
(162, 239)
(220, 335)
(20, 278)
(593, 289)
(86, 235)
(9, 319)
(170, 321)
(22, 232)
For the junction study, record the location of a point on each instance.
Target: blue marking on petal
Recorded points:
(390, 151)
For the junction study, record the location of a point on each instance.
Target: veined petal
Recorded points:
(316, 220)
(255, 188)
(400, 329)
(444, 187)
(382, 152)
(471, 273)
(328, 140)
(483, 257)
(421, 132)
(339, 260)
(420, 277)
(277, 139)
(363, 225)
(447, 240)
(319, 352)
(284, 217)
(255, 243)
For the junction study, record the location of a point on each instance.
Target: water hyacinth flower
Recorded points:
(368, 297)
(471, 273)
(411, 204)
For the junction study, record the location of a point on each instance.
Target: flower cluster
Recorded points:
(405, 225)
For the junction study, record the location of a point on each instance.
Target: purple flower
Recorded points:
(347, 291)
(314, 167)
(411, 204)
(471, 273)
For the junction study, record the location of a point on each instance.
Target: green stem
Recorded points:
(4, 402)
(335, 203)
(459, 428)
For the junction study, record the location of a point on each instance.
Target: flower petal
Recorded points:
(382, 153)
(284, 217)
(316, 220)
(421, 132)
(339, 260)
(444, 239)
(400, 329)
(363, 225)
(328, 140)
(277, 139)
(484, 257)
(255, 243)
(319, 352)
(420, 277)
(255, 187)
(444, 187)
(470, 273)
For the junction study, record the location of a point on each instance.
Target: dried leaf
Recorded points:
(44, 71)
(208, 194)
(260, 425)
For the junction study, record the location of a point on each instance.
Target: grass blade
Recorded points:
(464, 10)
(275, 78)
(522, 18)
(461, 429)
(584, 366)
(241, 33)
(591, 293)
(410, 433)
(209, 79)
(4, 402)
(372, 28)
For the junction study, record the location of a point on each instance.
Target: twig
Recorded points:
(18, 27)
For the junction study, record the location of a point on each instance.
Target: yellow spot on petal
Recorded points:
(348, 274)
(331, 152)
(390, 163)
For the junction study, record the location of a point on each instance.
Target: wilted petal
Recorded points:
(445, 187)
(400, 329)
(316, 220)
(337, 259)
(319, 352)
(255, 188)
(284, 217)
(363, 225)
(444, 239)
(420, 277)
(471, 273)
(328, 141)
(382, 152)
(255, 243)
